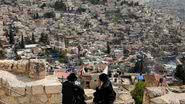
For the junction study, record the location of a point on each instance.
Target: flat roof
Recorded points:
(31, 45)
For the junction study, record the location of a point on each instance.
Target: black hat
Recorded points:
(103, 77)
(72, 77)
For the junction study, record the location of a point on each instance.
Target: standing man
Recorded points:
(72, 94)
(104, 93)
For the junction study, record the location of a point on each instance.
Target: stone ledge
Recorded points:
(54, 88)
(37, 89)
(26, 67)
(55, 99)
(14, 91)
(18, 91)
(8, 80)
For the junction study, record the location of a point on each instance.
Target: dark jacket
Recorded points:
(104, 95)
(72, 94)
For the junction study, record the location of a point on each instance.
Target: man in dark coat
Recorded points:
(104, 93)
(72, 94)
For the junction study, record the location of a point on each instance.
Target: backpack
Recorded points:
(78, 97)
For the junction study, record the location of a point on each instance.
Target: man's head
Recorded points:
(72, 77)
(103, 77)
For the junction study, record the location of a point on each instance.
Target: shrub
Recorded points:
(94, 1)
(2, 54)
(180, 73)
(44, 38)
(60, 5)
(138, 92)
(63, 57)
(49, 15)
(81, 9)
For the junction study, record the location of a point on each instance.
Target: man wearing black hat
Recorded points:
(104, 93)
(72, 94)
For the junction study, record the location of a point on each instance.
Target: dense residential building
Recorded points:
(43, 41)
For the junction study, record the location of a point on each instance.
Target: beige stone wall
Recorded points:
(34, 68)
(14, 91)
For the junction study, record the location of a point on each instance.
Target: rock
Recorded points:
(56, 88)
(156, 91)
(28, 90)
(125, 98)
(177, 89)
(182, 101)
(37, 50)
(42, 75)
(37, 89)
(19, 25)
(152, 97)
(158, 101)
(22, 66)
(6, 65)
(9, 100)
(36, 67)
(89, 93)
(122, 102)
(55, 99)
(35, 100)
(17, 91)
(24, 100)
(2, 92)
(4, 82)
(14, 66)
(42, 98)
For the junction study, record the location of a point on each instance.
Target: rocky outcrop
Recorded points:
(171, 98)
(162, 95)
(33, 68)
(14, 91)
(125, 98)
(36, 69)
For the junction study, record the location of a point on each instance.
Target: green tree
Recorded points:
(81, 9)
(63, 57)
(49, 15)
(94, 2)
(108, 48)
(138, 92)
(44, 38)
(117, 17)
(35, 16)
(180, 72)
(11, 34)
(60, 5)
(17, 57)
(66, 41)
(22, 44)
(33, 38)
(2, 53)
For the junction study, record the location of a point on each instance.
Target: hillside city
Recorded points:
(138, 44)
